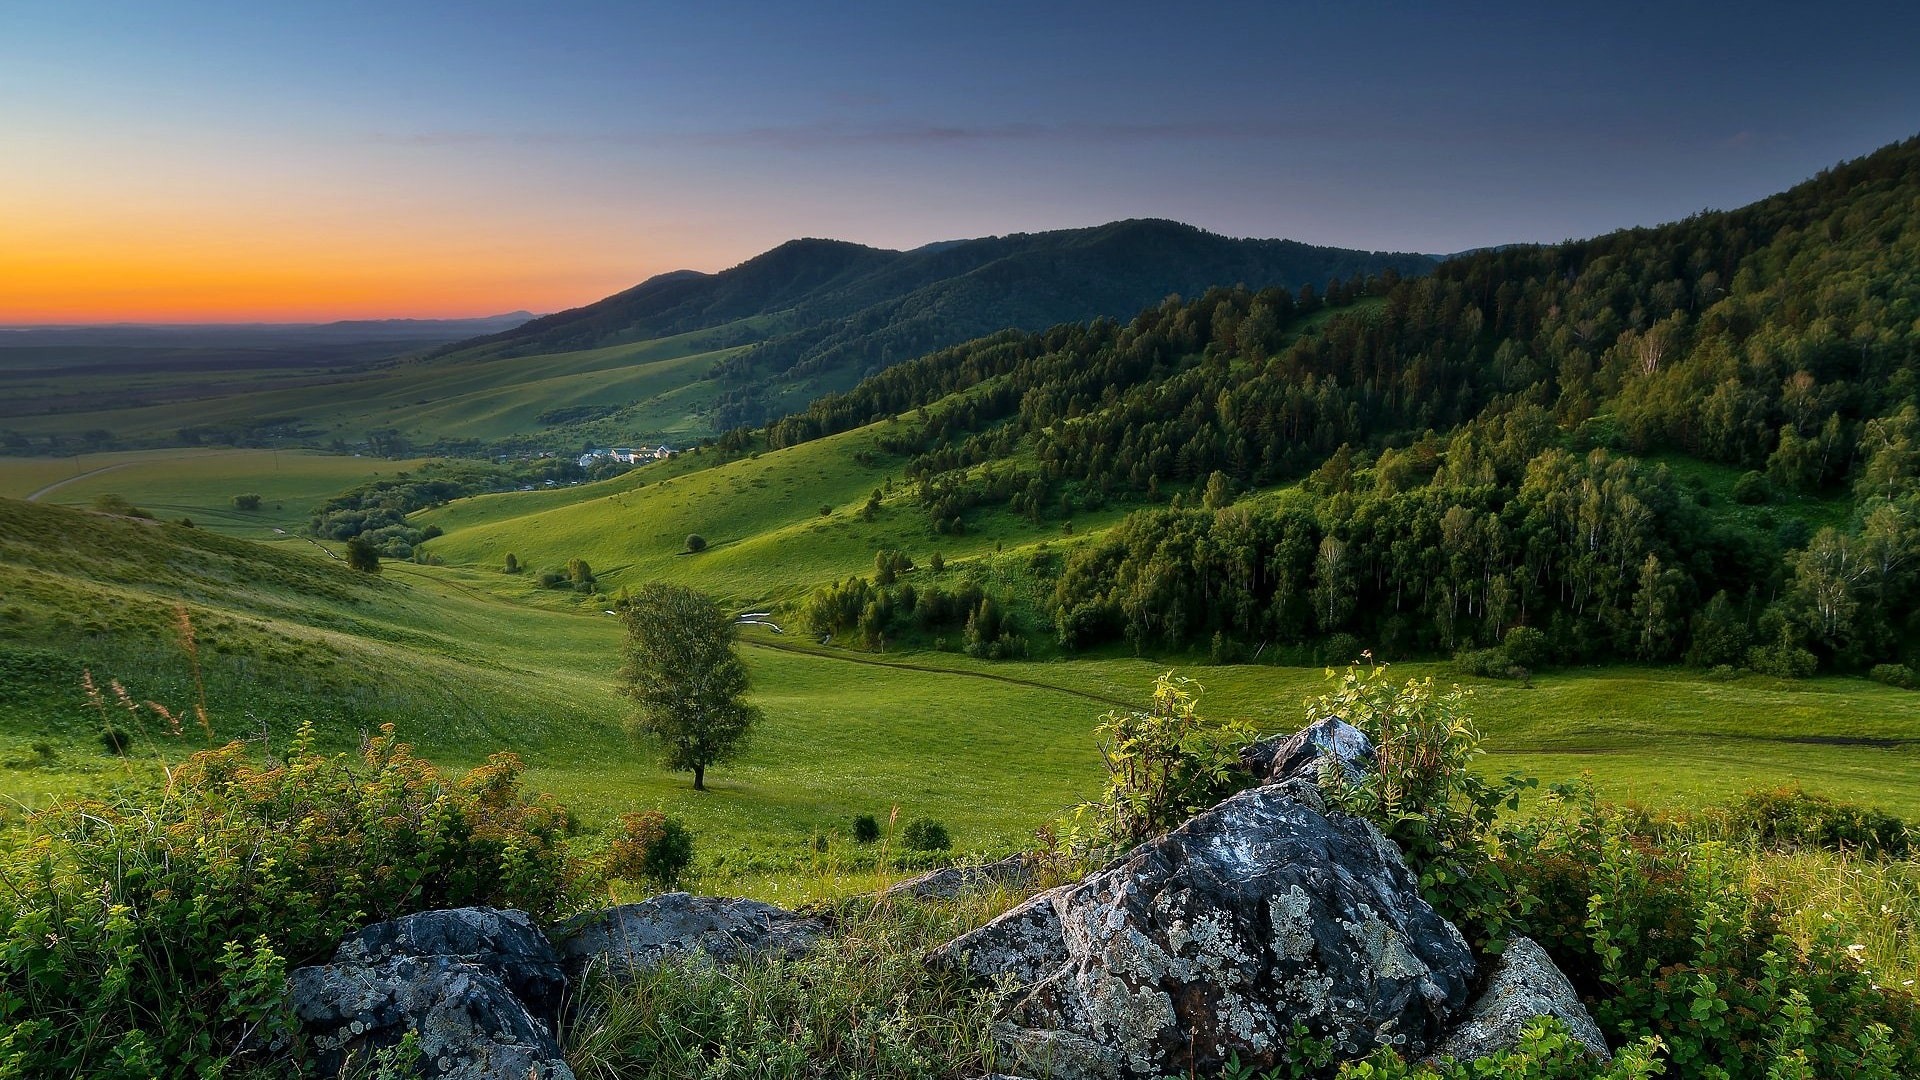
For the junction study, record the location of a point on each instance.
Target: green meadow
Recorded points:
(286, 634)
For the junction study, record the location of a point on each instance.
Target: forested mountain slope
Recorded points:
(1699, 440)
(822, 313)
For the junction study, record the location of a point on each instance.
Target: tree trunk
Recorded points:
(699, 778)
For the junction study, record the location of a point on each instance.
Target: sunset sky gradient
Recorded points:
(214, 161)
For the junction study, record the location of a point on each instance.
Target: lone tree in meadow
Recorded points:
(363, 556)
(687, 678)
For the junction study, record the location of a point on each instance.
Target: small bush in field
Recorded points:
(1789, 818)
(150, 934)
(926, 834)
(1899, 675)
(649, 847)
(115, 740)
(865, 829)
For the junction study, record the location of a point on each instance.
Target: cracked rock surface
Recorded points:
(1525, 985)
(1214, 940)
(640, 937)
(452, 977)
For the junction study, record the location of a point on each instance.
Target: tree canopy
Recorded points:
(684, 673)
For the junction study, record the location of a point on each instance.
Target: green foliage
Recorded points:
(686, 677)
(150, 934)
(1546, 1051)
(1423, 793)
(696, 543)
(1899, 675)
(865, 1004)
(512, 564)
(1658, 927)
(363, 556)
(1752, 489)
(866, 830)
(1164, 764)
(249, 501)
(926, 834)
(649, 847)
(1784, 819)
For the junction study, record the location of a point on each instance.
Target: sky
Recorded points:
(195, 160)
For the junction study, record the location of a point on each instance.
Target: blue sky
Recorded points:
(399, 158)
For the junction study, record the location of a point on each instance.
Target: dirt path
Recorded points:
(1008, 679)
(58, 484)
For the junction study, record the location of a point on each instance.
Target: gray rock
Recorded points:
(506, 943)
(1304, 753)
(1212, 941)
(1525, 985)
(640, 937)
(953, 882)
(469, 1025)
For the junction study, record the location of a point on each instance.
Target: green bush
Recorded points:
(1527, 647)
(926, 834)
(1164, 764)
(1784, 660)
(249, 501)
(1423, 794)
(1899, 675)
(1657, 927)
(865, 829)
(649, 847)
(696, 542)
(150, 935)
(115, 740)
(1546, 1051)
(1788, 818)
(1752, 489)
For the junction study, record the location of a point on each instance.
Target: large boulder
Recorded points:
(640, 937)
(1525, 985)
(953, 882)
(1212, 942)
(469, 1025)
(505, 943)
(1307, 751)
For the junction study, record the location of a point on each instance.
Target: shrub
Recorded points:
(649, 847)
(249, 501)
(1752, 489)
(1422, 792)
(553, 579)
(115, 740)
(865, 829)
(512, 564)
(1663, 934)
(150, 934)
(363, 556)
(1789, 818)
(1164, 764)
(1784, 660)
(1527, 647)
(696, 542)
(1899, 675)
(926, 834)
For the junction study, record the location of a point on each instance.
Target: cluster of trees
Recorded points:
(377, 509)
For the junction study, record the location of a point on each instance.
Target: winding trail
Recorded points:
(58, 484)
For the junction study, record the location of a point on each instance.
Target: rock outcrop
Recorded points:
(1525, 985)
(639, 937)
(1305, 752)
(451, 978)
(953, 882)
(1213, 941)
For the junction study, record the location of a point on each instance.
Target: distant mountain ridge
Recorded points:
(822, 314)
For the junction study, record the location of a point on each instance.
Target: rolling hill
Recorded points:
(819, 315)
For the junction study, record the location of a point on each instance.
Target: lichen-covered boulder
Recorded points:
(504, 942)
(1525, 985)
(1212, 942)
(1305, 752)
(469, 1025)
(639, 937)
(953, 882)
